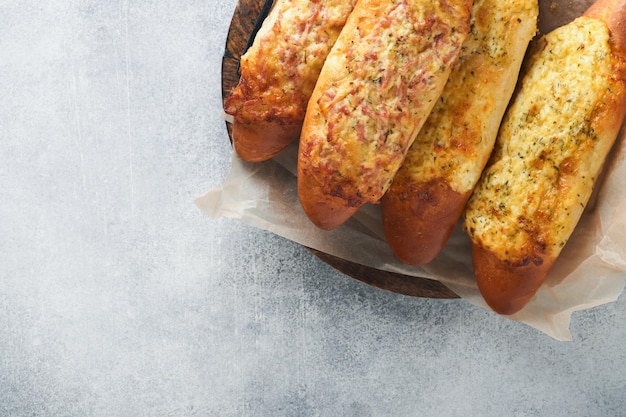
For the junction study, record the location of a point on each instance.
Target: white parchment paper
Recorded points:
(589, 272)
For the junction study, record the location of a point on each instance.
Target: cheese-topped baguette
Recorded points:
(549, 152)
(278, 73)
(377, 86)
(428, 194)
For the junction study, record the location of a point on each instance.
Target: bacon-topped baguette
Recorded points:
(428, 194)
(550, 150)
(378, 85)
(278, 73)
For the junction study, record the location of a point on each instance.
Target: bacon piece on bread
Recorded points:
(428, 194)
(376, 89)
(278, 73)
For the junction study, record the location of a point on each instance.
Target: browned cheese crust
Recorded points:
(279, 72)
(550, 151)
(426, 199)
(377, 86)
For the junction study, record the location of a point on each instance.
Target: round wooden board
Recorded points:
(242, 27)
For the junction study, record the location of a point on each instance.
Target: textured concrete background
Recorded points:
(119, 298)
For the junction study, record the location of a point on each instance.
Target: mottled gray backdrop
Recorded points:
(119, 298)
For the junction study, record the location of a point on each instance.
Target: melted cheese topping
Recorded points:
(548, 154)
(458, 136)
(279, 71)
(384, 75)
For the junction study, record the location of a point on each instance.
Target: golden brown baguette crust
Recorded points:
(613, 13)
(428, 194)
(278, 74)
(519, 222)
(424, 216)
(316, 200)
(506, 288)
(376, 88)
(262, 140)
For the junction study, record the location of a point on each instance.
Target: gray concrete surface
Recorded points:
(118, 297)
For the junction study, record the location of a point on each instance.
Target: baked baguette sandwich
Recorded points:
(429, 192)
(551, 148)
(378, 85)
(278, 73)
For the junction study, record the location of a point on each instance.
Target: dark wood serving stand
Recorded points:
(246, 18)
